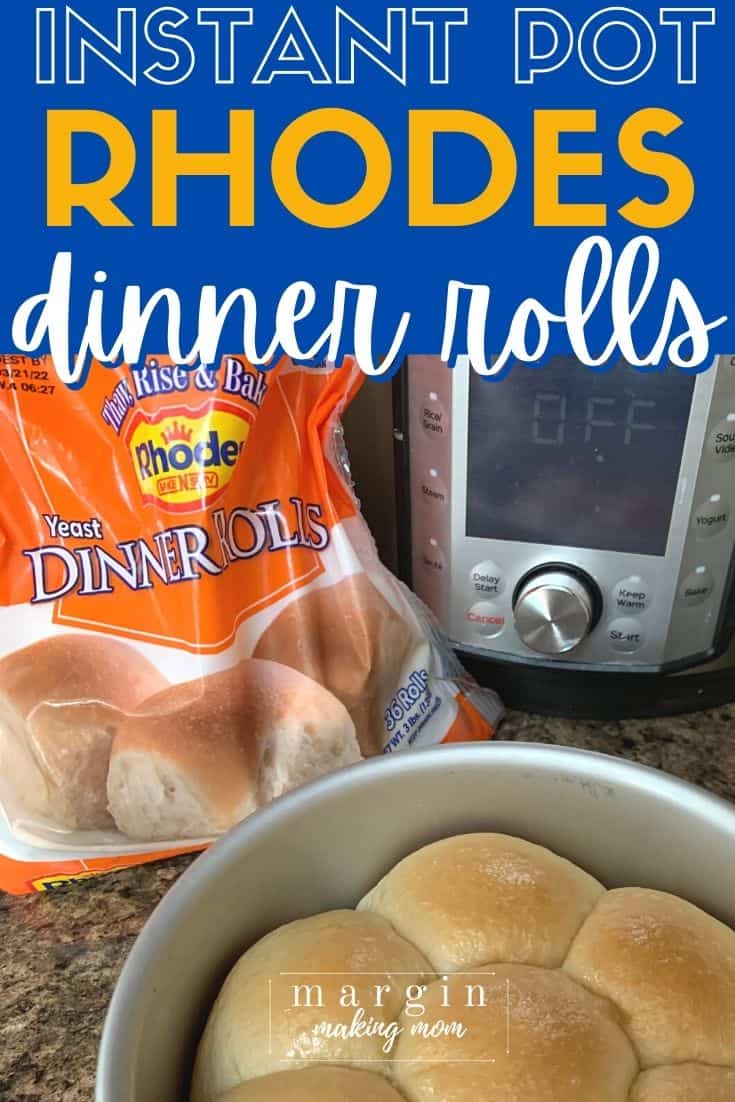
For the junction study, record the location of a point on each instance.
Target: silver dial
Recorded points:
(554, 612)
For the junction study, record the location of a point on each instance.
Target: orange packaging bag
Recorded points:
(193, 615)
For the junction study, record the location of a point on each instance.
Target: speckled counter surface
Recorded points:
(61, 954)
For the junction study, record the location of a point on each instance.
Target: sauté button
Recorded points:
(626, 636)
(712, 517)
(722, 440)
(433, 557)
(632, 596)
(433, 489)
(487, 579)
(433, 416)
(697, 588)
(485, 620)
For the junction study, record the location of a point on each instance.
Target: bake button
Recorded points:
(487, 580)
(626, 636)
(433, 489)
(433, 558)
(722, 440)
(434, 419)
(697, 588)
(632, 596)
(485, 620)
(712, 517)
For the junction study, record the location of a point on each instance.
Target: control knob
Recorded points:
(555, 610)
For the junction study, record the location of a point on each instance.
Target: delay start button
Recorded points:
(711, 518)
(487, 580)
(632, 596)
(626, 636)
(697, 588)
(485, 620)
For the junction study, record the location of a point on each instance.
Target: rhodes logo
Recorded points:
(184, 458)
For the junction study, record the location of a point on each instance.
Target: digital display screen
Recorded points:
(563, 456)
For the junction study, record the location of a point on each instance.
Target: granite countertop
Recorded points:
(60, 954)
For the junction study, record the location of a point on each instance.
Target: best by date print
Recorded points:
(29, 376)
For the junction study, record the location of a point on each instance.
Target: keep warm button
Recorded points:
(626, 636)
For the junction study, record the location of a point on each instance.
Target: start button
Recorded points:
(626, 636)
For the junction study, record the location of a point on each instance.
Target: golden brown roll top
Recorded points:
(582, 995)
(315, 1085)
(669, 967)
(202, 755)
(481, 898)
(319, 971)
(531, 1035)
(685, 1083)
(62, 701)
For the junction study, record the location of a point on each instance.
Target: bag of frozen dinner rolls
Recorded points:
(193, 615)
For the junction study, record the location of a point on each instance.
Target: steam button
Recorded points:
(626, 636)
(433, 490)
(712, 517)
(697, 588)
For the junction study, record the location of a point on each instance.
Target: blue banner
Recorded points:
(518, 181)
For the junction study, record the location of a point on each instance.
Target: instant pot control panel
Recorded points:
(565, 516)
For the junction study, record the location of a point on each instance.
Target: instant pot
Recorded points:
(572, 530)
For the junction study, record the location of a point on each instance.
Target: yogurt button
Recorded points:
(712, 517)
(632, 596)
(697, 588)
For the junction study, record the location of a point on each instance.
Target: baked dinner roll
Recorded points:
(202, 755)
(315, 1085)
(481, 898)
(341, 960)
(539, 1037)
(61, 703)
(349, 639)
(686, 1083)
(671, 970)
